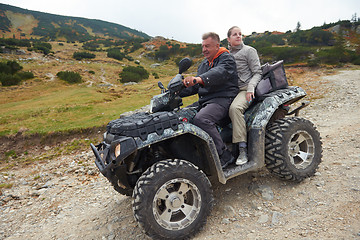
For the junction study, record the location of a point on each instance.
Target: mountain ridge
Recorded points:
(48, 26)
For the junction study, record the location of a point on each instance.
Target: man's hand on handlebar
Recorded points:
(191, 81)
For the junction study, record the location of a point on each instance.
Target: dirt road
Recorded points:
(66, 198)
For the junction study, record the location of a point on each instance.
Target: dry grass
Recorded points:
(47, 104)
(308, 79)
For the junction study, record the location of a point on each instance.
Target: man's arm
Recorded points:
(223, 70)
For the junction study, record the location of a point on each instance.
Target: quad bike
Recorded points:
(165, 162)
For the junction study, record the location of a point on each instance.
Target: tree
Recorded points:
(354, 18)
(298, 27)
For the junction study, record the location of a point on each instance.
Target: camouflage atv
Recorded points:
(165, 162)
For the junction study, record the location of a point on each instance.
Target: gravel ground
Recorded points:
(66, 198)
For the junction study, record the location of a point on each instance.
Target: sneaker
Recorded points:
(226, 158)
(242, 158)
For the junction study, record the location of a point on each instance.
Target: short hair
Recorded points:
(230, 30)
(212, 35)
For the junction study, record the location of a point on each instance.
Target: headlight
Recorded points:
(122, 147)
(117, 150)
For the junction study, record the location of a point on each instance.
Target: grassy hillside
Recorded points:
(47, 104)
(18, 22)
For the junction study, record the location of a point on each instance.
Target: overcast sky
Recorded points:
(187, 20)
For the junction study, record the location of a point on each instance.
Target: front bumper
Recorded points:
(112, 167)
(99, 162)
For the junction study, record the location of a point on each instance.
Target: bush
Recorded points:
(156, 76)
(70, 77)
(80, 55)
(9, 80)
(133, 74)
(115, 53)
(14, 42)
(42, 47)
(10, 67)
(332, 56)
(10, 75)
(5, 68)
(163, 53)
(129, 58)
(288, 54)
(313, 62)
(25, 75)
(356, 61)
(91, 46)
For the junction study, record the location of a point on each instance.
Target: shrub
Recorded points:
(80, 55)
(10, 67)
(129, 58)
(356, 61)
(133, 74)
(288, 54)
(91, 46)
(70, 77)
(333, 56)
(313, 62)
(156, 76)
(5, 68)
(115, 53)
(42, 47)
(25, 75)
(9, 80)
(163, 53)
(10, 75)
(14, 42)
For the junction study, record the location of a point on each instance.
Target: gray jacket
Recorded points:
(248, 66)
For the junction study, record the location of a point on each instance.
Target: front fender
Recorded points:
(212, 158)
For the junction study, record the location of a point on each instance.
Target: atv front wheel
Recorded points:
(172, 199)
(292, 148)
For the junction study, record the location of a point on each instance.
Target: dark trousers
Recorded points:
(207, 118)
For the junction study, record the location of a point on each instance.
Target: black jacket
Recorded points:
(220, 81)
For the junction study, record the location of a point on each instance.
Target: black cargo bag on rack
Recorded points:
(273, 78)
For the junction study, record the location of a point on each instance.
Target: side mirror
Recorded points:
(161, 86)
(184, 65)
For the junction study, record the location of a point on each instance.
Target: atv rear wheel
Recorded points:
(172, 199)
(292, 148)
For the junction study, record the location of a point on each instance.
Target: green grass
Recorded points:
(49, 105)
(54, 106)
(73, 107)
